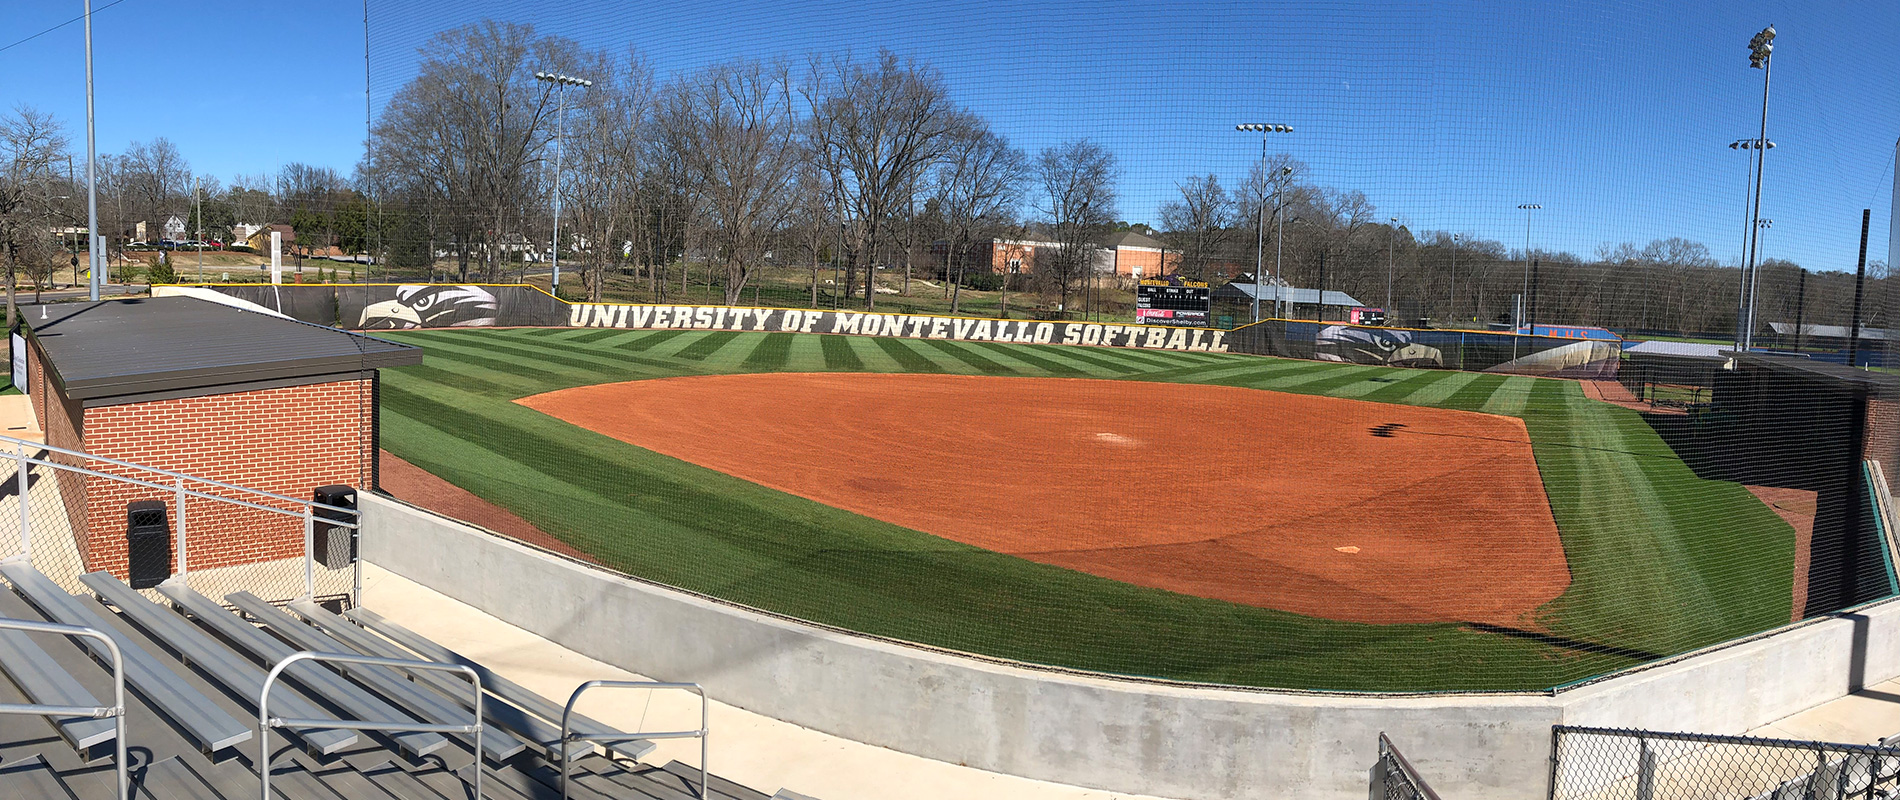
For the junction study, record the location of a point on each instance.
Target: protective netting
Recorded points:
(1541, 391)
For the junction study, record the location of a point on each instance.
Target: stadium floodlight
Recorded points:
(1391, 259)
(561, 82)
(1524, 300)
(1260, 232)
(1760, 56)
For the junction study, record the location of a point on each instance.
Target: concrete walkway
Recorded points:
(748, 748)
(1864, 717)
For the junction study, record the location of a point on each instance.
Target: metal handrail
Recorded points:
(567, 735)
(166, 472)
(311, 504)
(1390, 756)
(265, 721)
(116, 711)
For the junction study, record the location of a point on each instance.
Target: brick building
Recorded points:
(1128, 254)
(217, 392)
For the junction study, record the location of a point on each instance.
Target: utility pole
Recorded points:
(1451, 307)
(1391, 262)
(92, 180)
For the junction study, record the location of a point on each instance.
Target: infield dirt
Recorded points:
(1335, 508)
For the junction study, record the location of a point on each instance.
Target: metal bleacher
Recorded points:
(196, 668)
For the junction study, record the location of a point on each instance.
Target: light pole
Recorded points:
(1260, 235)
(1451, 305)
(1760, 50)
(1523, 300)
(1391, 260)
(1753, 147)
(92, 175)
(1754, 282)
(1279, 242)
(561, 82)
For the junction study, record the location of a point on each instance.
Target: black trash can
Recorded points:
(334, 545)
(148, 543)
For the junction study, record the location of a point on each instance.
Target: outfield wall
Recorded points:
(1155, 738)
(409, 306)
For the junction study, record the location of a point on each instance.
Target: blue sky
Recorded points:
(1613, 114)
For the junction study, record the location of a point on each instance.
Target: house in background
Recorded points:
(259, 239)
(242, 231)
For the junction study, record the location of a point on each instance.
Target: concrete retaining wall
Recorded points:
(1111, 734)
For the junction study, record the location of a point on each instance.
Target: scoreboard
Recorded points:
(1172, 301)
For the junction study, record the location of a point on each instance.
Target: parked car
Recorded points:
(138, 244)
(167, 244)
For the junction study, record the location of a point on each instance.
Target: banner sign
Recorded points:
(437, 305)
(1474, 351)
(913, 326)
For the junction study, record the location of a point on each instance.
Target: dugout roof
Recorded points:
(165, 347)
(1879, 384)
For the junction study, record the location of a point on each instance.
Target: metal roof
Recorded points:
(185, 346)
(1657, 347)
(1829, 331)
(1271, 293)
(1885, 384)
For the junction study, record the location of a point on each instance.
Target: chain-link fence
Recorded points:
(1394, 778)
(81, 513)
(1613, 764)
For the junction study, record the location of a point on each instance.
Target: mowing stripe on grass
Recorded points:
(1436, 391)
(771, 353)
(839, 355)
(1201, 372)
(1258, 376)
(906, 358)
(707, 345)
(1032, 358)
(1150, 359)
(805, 355)
(1377, 383)
(1081, 355)
(1509, 399)
(470, 378)
(1474, 394)
(609, 349)
(1395, 391)
(646, 341)
(546, 352)
(1317, 381)
(459, 351)
(592, 336)
(974, 360)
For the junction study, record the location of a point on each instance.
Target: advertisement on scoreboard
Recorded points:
(1173, 301)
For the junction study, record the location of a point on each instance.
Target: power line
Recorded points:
(57, 27)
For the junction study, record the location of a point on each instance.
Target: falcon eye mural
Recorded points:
(432, 306)
(1385, 346)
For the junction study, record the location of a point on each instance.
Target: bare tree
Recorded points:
(156, 182)
(30, 141)
(1200, 225)
(605, 147)
(1078, 186)
(873, 128)
(978, 184)
(734, 123)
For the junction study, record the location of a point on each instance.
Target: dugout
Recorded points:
(213, 391)
(1672, 373)
(1793, 422)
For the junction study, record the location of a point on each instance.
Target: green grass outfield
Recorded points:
(1661, 561)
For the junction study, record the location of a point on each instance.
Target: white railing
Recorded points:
(181, 487)
(265, 722)
(116, 711)
(568, 735)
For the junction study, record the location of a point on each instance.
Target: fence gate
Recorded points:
(1616, 764)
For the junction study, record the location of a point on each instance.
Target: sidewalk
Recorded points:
(748, 748)
(1864, 717)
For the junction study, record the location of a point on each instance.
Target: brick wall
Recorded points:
(287, 440)
(62, 421)
(1882, 440)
